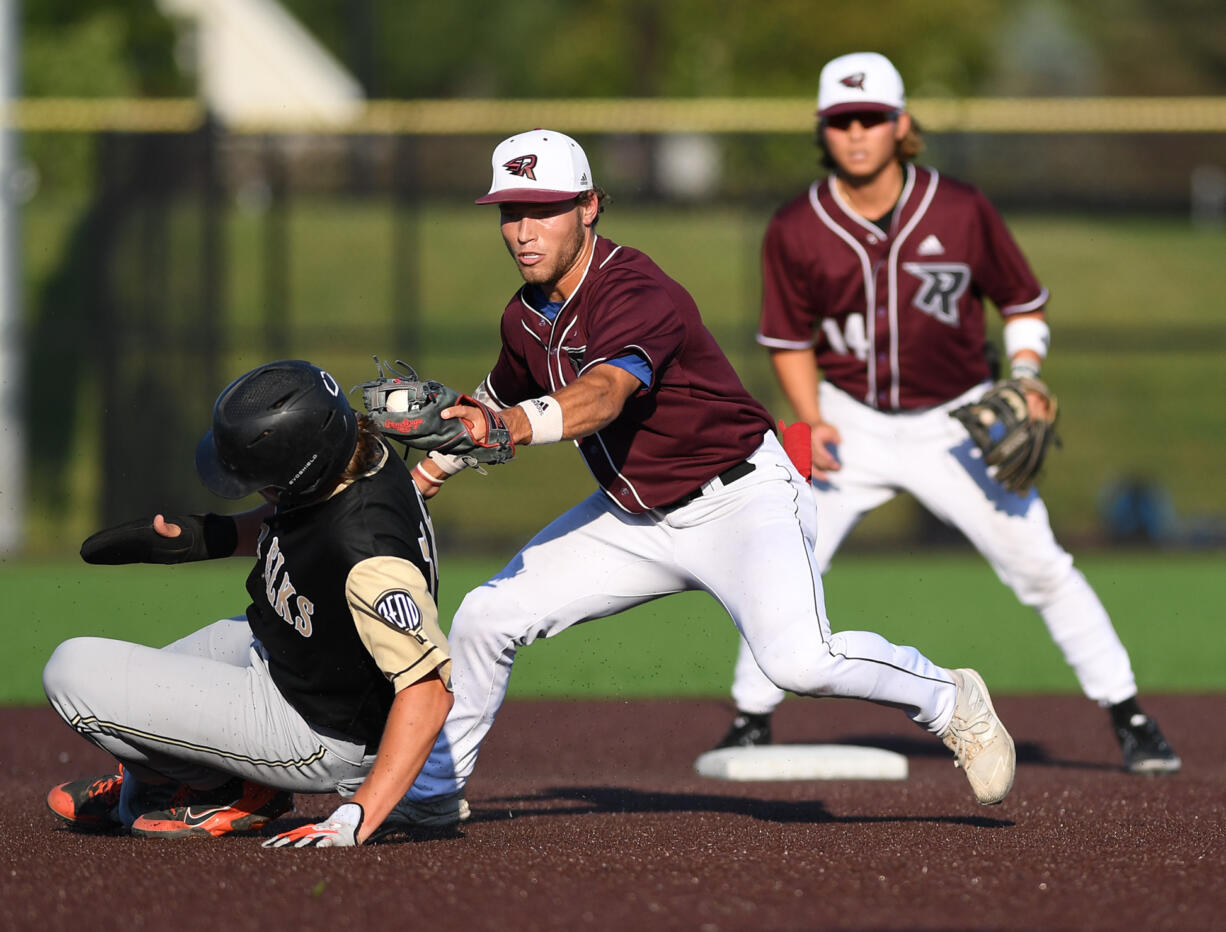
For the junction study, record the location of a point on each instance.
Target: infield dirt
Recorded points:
(588, 815)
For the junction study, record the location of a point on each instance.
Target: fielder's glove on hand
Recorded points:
(201, 537)
(409, 410)
(1011, 440)
(339, 830)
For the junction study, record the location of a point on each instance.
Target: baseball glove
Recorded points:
(1001, 426)
(410, 410)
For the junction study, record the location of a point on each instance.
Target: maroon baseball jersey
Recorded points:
(895, 315)
(695, 419)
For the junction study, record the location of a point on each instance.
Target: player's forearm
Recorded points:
(413, 724)
(1027, 338)
(797, 373)
(248, 525)
(588, 404)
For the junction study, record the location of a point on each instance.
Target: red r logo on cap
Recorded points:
(854, 80)
(522, 166)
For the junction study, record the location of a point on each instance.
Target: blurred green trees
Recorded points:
(579, 48)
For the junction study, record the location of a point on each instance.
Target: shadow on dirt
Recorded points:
(599, 799)
(1031, 753)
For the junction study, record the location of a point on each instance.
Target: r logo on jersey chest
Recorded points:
(941, 287)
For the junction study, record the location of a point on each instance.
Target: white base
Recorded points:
(802, 762)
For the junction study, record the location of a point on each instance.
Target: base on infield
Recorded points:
(802, 762)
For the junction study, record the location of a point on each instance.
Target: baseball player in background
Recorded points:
(601, 347)
(872, 310)
(337, 680)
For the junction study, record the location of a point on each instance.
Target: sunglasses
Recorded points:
(867, 119)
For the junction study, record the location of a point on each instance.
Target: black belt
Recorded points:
(731, 474)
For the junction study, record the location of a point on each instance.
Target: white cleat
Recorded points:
(981, 746)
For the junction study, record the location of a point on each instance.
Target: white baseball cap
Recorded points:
(859, 81)
(538, 167)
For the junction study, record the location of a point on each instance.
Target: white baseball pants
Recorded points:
(930, 455)
(748, 543)
(199, 711)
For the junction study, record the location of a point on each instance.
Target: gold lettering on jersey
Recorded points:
(302, 620)
(273, 562)
(284, 591)
(280, 594)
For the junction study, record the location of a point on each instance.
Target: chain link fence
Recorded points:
(200, 251)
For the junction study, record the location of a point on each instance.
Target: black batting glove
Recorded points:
(201, 537)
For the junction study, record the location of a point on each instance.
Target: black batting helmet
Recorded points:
(285, 425)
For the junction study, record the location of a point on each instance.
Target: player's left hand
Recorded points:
(1039, 401)
(826, 440)
(163, 539)
(1004, 425)
(476, 420)
(339, 830)
(427, 415)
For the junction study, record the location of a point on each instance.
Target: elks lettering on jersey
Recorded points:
(280, 594)
(944, 284)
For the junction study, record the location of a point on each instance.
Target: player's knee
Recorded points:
(797, 664)
(1040, 583)
(477, 606)
(483, 616)
(67, 669)
(495, 616)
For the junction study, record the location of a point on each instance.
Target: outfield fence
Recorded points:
(177, 263)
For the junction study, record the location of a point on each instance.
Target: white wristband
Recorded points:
(448, 463)
(1027, 333)
(545, 418)
(421, 471)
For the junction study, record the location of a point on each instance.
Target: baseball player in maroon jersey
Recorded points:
(872, 309)
(337, 679)
(601, 347)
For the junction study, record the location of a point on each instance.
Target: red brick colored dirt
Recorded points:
(588, 815)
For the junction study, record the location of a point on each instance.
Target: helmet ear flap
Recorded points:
(284, 425)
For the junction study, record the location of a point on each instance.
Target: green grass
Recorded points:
(1166, 608)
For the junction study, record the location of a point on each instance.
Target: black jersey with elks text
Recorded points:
(343, 600)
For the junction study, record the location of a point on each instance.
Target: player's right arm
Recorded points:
(396, 616)
(796, 370)
(413, 724)
(591, 402)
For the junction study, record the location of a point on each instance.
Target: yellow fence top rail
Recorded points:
(655, 115)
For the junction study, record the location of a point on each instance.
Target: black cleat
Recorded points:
(1145, 749)
(748, 731)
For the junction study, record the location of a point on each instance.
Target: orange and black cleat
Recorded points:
(236, 806)
(88, 804)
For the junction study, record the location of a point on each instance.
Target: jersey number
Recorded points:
(853, 338)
